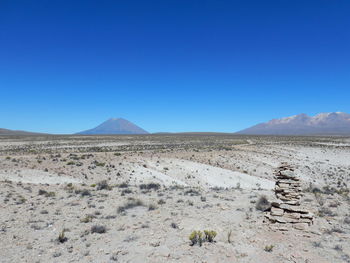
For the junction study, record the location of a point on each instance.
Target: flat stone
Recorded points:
(276, 211)
(289, 182)
(287, 173)
(282, 219)
(275, 204)
(292, 203)
(283, 198)
(283, 228)
(308, 215)
(293, 208)
(282, 185)
(292, 215)
(289, 177)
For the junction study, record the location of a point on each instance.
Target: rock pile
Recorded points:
(287, 210)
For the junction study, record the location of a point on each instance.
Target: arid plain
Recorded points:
(139, 198)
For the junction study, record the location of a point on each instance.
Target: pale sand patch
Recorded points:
(146, 175)
(31, 176)
(202, 175)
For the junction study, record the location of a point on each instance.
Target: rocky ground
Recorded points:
(139, 198)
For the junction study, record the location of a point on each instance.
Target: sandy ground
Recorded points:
(138, 198)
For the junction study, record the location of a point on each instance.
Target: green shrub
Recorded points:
(210, 235)
(269, 248)
(196, 237)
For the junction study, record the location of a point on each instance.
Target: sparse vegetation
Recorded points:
(197, 237)
(150, 186)
(143, 207)
(62, 237)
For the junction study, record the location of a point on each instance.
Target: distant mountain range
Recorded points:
(115, 126)
(333, 123)
(16, 132)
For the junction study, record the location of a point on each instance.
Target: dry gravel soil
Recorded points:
(139, 198)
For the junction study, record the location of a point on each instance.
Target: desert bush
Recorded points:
(126, 191)
(338, 248)
(83, 192)
(103, 185)
(21, 200)
(192, 192)
(316, 244)
(99, 163)
(161, 202)
(123, 185)
(152, 207)
(334, 204)
(324, 211)
(174, 225)
(69, 188)
(334, 230)
(46, 194)
(87, 219)
(130, 204)
(150, 186)
(98, 229)
(263, 204)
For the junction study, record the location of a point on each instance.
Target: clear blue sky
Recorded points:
(171, 65)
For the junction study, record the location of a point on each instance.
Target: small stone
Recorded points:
(300, 226)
